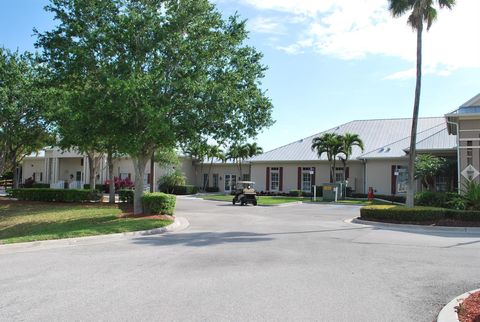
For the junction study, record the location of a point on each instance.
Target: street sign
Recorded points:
(470, 172)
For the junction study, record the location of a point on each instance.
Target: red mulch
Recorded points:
(469, 310)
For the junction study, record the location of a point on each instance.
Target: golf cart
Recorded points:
(245, 194)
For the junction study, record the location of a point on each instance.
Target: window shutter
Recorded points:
(280, 184)
(394, 180)
(267, 180)
(129, 176)
(149, 178)
(314, 175)
(299, 179)
(347, 173)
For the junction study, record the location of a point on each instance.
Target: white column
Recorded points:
(45, 173)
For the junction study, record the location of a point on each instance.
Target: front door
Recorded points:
(230, 182)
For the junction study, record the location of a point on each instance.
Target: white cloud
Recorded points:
(349, 30)
(268, 25)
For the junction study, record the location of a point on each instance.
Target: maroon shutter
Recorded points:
(299, 179)
(347, 173)
(129, 176)
(394, 180)
(314, 175)
(280, 184)
(267, 180)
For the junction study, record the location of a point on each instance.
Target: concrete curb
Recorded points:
(179, 224)
(449, 313)
(469, 230)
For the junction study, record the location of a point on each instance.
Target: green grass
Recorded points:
(262, 200)
(32, 221)
(272, 200)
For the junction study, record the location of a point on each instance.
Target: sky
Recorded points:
(330, 61)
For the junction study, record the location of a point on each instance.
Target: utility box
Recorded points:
(329, 191)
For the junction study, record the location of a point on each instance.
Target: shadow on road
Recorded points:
(216, 238)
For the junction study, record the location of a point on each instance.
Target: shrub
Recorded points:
(41, 185)
(158, 203)
(472, 195)
(119, 184)
(98, 187)
(58, 195)
(180, 190)
(168, 182)
(212, 189)
(126, 195)
(461, 215)
(295, 193)
(402, 214)
(439, 199)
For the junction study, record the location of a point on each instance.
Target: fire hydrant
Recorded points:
(370, 194)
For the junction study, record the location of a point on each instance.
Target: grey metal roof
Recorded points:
(375, 134)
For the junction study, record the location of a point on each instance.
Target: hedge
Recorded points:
(180, 190)
(41, 185)
(212, 189)
(436, 199)
(99, 187)
(416, 214)
(126, 195)
(158, 203)
(58, 195)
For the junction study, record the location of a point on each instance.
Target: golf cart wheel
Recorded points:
(233, 201)
(255, 203)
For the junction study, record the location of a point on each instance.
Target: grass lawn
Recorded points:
(31, 221)
(271, 200)
(262, 200)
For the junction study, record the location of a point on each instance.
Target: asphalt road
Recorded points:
(294, 263)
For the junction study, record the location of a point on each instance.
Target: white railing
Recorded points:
(58, 185)
(75, 185)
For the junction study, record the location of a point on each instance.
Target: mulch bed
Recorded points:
(469, 310)
(439, 223)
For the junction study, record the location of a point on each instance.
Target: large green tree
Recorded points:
(178, 68)
(422, 14)
(349, 140)
(23, 126)
(79, 62)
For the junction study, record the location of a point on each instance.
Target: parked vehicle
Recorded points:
(245, 193)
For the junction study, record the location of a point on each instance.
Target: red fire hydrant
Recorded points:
(370, 194)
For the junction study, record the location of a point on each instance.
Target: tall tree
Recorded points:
(349, 140)
(79, 63)
(23, 125)
(185, 74)
(238, 153)
(253, 150)
(330, 144)
(214, 152)
(422, 12)
(427, 167)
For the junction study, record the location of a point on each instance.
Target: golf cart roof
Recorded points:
(247, 182)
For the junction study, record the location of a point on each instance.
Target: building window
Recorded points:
(205, 180)
(78, 176)
(306, 179)
(402, 179)
(245, 177)
(469, 153)
(215, 180)
(41, 176)
(339, 175)
(123, 176)
(274, 179)
(441, 183)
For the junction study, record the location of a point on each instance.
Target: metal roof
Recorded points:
(390, 134)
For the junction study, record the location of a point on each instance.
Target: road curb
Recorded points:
(449, 313)
(469, 230)
(179, 224)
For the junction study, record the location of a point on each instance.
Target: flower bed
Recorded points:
(469, 309)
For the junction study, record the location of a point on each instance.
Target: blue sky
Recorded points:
(330, 61)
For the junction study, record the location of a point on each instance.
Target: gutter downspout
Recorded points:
(458, 154)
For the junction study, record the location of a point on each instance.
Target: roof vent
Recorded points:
(381, 150)
(300, 141)
(387, 150)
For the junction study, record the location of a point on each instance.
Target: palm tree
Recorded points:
(421, 12)
(349, 140)
(237, 153)
(198, 151)
(253, 150)
(213, 152)
(331, 144)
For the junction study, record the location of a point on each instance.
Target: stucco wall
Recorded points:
(379, 174)
(31, 166)
(290, 174)
(221, 170)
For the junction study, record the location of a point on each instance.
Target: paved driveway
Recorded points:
(294, 263)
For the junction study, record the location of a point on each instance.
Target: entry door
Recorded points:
(230, 182)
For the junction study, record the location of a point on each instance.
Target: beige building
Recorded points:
(382, 165)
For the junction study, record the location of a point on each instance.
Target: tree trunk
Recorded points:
(139, 165)
(16, 176)
(152, 173)
(413, 135)
(111, 186)
(91, 174)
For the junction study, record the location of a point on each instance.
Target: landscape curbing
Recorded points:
(449, 313)
(469, 230)
(179, 224)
